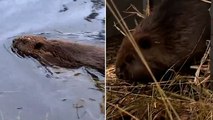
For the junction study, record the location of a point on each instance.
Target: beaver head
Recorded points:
(166, 38)
(158, 54)
(29, 45)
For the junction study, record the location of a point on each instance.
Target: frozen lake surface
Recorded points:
(30, 91)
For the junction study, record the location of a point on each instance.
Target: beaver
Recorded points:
(174, 32)
(60, 53)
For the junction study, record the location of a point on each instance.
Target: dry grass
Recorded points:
(182, 98)
(190, 99)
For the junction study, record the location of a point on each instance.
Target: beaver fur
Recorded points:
(60, 53)
(167, 37)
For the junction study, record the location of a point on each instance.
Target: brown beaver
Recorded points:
(60, 53)
(166, 38)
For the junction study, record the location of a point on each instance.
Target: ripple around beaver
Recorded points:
(31, 91)
(47, 92)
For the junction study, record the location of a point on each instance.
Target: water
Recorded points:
(29, 91)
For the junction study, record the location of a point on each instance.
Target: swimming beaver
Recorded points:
(166, 37)
(59, 53)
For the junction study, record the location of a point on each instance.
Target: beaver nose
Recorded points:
(120, 71)
(14, 41)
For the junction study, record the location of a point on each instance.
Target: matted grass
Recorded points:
(182, 98)
(190, 100)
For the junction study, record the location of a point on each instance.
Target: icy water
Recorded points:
(29, 91)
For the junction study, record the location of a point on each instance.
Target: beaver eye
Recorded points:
(38, 45)
(145, 43)
(129, 59)
(24, 42)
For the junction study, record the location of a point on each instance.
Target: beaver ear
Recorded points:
(38, 45)
(145, 43)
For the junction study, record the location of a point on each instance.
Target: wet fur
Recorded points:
(60, 53)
